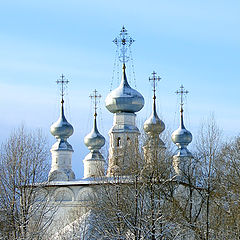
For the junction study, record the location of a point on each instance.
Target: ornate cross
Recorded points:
(155, 79)
(181, 92)
(63, 81)
(123, 41)
(95, 97)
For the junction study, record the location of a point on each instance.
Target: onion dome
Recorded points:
(153, 125)
(94, 140)
(94, 161)
(124, 98)
(182, 137)
(61, 129)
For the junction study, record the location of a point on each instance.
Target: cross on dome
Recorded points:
(95, 97)
(181, 137)
(62, 129)
(123, 41)
(154, 125)
(63, 81)
(181, 92)
(154, 79)
(94, 140)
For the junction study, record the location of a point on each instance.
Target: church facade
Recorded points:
(123, 102)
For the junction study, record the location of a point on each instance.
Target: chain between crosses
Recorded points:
(63, 83)
(95, 96)
(181, 92)
(155, 79)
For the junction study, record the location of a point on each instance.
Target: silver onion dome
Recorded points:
(61, 129)
(94, 140)
(154, 125)
(181, 137)
(124, 98)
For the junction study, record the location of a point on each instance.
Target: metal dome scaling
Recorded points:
(124, 98)
(154, 125)
(61, 129)
(182, 137)
(94, 140)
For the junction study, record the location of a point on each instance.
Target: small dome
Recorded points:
(61, 128)
(124, 98)
(154, 125)
(94, 140)
(182, 136)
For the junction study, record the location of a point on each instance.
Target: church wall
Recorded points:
(71, 202)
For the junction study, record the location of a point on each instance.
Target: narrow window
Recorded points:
(118, 142)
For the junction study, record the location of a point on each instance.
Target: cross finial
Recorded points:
(63, 81)
(95, 96)
(155, 79)
(123, 41)
(181, 92)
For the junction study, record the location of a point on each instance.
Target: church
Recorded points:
(124, 152)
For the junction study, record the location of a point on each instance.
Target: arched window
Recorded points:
(118, 142)
(63, 194)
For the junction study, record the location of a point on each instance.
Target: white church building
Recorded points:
(124, 103)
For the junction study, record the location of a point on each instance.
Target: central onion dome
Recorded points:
(61, 129)
(124, 98)
(94, 140)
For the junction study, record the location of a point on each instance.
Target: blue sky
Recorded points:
(194, 43)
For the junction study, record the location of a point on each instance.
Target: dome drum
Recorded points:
(62, 145)
(183, 152)
(94, 156)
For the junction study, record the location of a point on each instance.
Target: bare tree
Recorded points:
(208, 145)
(151, 203)
(23, 202)
(226, 199)
(131, 207)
